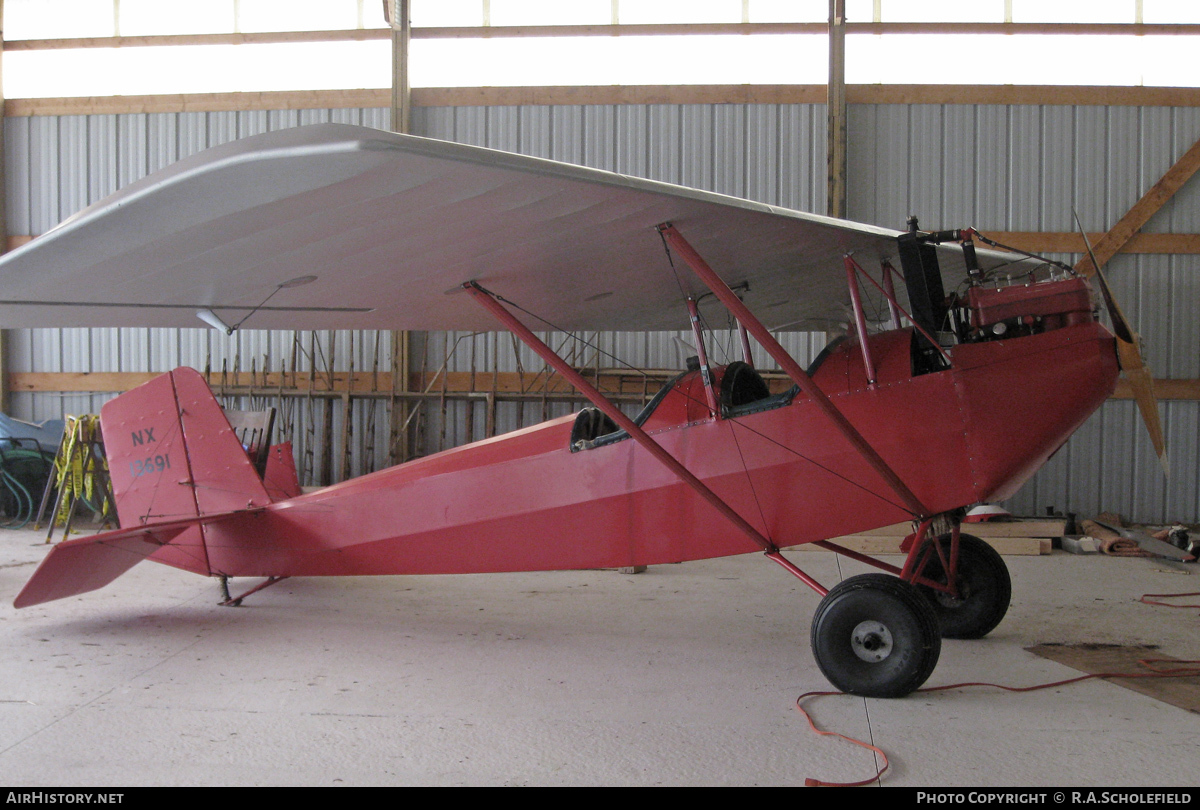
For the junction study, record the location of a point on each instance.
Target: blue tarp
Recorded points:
(48, 434)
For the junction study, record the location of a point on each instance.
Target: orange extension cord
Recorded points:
(1148, 663)
(1147, 600)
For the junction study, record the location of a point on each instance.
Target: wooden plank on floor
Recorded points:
(1053, 527)
(884, 544)
(1015, 537)
(1182, 692)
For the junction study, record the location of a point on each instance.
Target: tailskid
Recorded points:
(236, 601)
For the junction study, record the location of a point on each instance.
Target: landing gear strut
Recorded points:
(983, 588)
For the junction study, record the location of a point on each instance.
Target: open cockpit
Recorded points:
(740, 390)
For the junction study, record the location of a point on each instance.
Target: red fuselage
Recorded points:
(524, 501)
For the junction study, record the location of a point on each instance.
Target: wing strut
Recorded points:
(492, 305)
(734, 304)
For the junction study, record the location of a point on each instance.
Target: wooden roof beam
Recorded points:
(1038, 95)
(655, 29)
(1154, 199)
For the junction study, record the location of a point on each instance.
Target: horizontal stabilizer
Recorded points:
(87, 563)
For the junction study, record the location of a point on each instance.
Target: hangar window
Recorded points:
(136, 47)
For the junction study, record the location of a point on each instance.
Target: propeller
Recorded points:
(1129, 354)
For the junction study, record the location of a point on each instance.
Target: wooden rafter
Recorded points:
(835, 107)
(1037, 95)
(1072, 242)
(620, 30)
(501, 383)
(1112, 242)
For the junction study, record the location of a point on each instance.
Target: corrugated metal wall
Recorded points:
(994, 167)
(1024, 168)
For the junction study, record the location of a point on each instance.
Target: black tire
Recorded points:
(875, 635)
(984, 588)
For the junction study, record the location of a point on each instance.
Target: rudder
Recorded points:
(172, 454)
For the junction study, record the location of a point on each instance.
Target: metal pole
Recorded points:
(860, 321)
(892, 302)
(702, 354)
(889, 290)
(745, 338)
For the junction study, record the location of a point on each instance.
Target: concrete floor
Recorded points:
(684, 675)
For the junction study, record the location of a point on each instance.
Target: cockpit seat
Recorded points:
(741, 385)
(590, 424)
(593, 428)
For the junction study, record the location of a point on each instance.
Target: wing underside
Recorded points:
(391, 224)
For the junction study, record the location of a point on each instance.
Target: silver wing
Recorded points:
(388, 224)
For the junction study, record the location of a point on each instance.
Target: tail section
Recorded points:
(87, 563)
(176, 466)
(172, 454)
(280, 477)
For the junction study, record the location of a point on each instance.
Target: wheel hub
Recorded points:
(946, 600)
(871, 641)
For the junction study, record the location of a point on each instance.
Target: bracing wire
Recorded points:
(574, 335)
(734, 420)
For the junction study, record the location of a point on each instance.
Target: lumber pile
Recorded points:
(1015, 537)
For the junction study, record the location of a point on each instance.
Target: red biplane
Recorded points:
(959, 399)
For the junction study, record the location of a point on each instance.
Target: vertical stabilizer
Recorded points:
(172, 454)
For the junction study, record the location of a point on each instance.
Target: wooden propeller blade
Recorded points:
(1120, 323)
(1121, 327)
(1143, 391)
(1129, 353)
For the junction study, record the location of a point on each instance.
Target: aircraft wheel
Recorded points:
(984, 589)
(875, 635)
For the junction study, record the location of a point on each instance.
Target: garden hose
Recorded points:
(23, 473)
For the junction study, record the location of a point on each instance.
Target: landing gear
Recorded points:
(232, 601)
(875, 635)
(983, 584)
